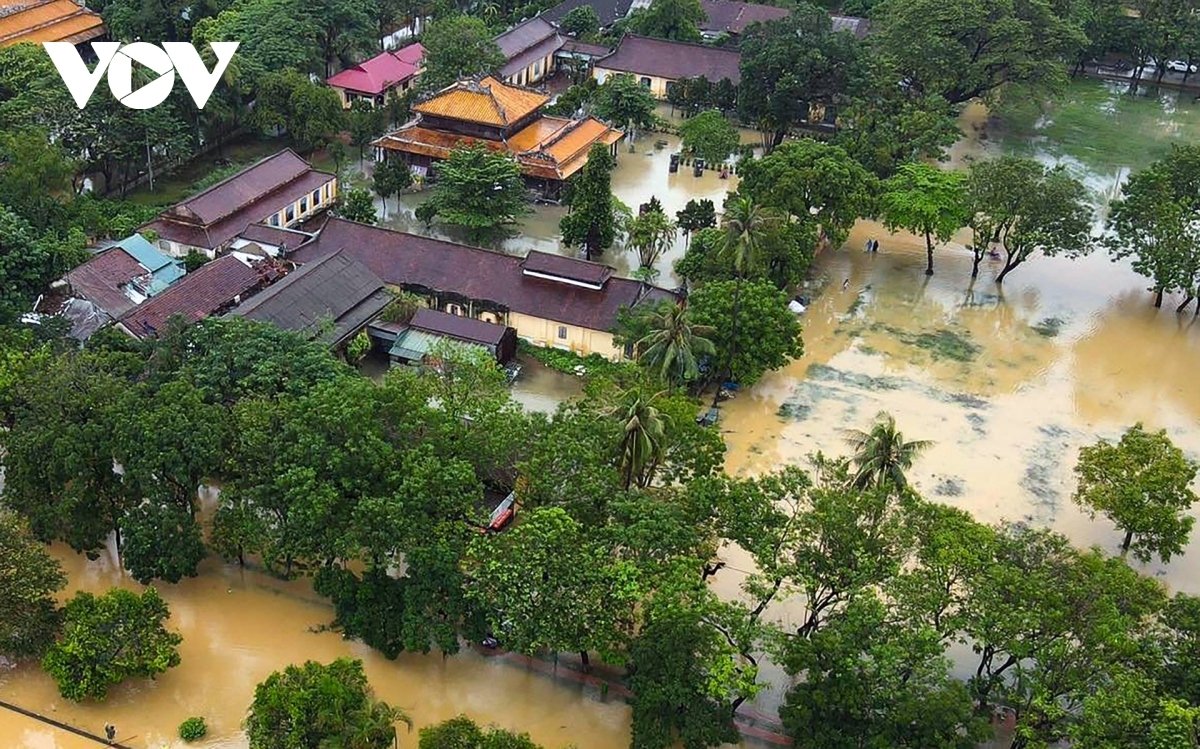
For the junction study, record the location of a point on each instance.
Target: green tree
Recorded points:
(163, 542)
(709, 136)
(650, 234)
(787, 251)
(1027, 209)
(1142, 484)
(545, 585)
(624, 102)
(390, 177)
(969, 49)
(1174, 647)
(581, 21)
(593, 210)
(29, 578)
(673, 347)
(364, 122)
(882, 455)
(812, 182)
(926, 201)
(790, 66)
(696, 215)
(1154, 222)
(110, 638)
(458, 47)
(463, 733)
(678, 20)
(315, 706)
(865, 680)
(311, 113)
(643, 443)
(767, 335)
(478, 189)
(357, 205)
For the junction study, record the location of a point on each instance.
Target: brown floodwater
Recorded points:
(1007, 383)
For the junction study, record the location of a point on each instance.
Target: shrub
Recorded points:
(193, 729)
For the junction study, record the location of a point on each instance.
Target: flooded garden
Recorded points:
(1008, 383)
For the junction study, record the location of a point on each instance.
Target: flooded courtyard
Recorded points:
(1008, 383)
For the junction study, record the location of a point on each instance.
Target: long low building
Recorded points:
(658, 63)
(550, 300)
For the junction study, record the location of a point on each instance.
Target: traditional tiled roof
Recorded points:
(540, 51)
(101, 278)
(733, 17)
(337, 288)
(660, 58)
(203, 292)
(545, 264)
(609, 11)
(549, 147)
(48, 21)
(488, 101)
(382, 72)
(213, 217)
(583, 48)
(456, 326)
(524, 36)
(275, 236)
(483, 275)
(860, 27)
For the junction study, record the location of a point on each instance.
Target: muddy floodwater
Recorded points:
(1008, 383)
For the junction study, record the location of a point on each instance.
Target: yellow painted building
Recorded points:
(657, 63)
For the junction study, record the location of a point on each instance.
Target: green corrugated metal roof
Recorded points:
(413, 344)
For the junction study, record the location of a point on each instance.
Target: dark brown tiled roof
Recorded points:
(569, 268)
(733, 17)
(336, 287)
(583, 48)
(456, 326)
(100, 279)
(275, 236)
(660, 58)
(409, 260)
(205, 291)
(216, 235)
(525, 58)
(609, 11)
(524, 36)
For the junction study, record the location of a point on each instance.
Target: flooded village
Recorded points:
(1008, 383)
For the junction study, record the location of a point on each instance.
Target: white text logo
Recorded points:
(118, 60)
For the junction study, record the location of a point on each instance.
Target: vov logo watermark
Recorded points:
(118, 59)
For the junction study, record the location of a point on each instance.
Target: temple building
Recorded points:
(504, 118)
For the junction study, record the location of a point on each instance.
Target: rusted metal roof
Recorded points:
(488, 102)
(48, 21)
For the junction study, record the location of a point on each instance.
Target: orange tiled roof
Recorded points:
(47, 21)
(549, 148)
(488, 101)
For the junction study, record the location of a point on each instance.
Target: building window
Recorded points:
(454, 309)
(537, 69)
(562, 332)
(290, 214)
(316, 197)
(304, 204)
(274, 219)
(645, 82)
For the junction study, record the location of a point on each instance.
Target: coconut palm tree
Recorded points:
(671, 349)
(643, 439)
(881, 454)
(745, 223)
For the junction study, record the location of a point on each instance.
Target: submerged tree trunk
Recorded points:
(1125, 543)
(975, 263)
(737, 292)
(929, 254)
(1158, 297)
(1009, 264)
(583, 657)
(1183, 306)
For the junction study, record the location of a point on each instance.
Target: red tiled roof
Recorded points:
(252, 183)
(409, 260)
(100, 279)
(660, 58)
(382, 72)
(733, 17)
(197, 295)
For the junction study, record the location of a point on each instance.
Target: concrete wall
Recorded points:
(549, 333)
(657, 86)
(534, 73)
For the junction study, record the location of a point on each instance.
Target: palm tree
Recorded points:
(672, 347)
(371, 726)
(650, 235)
(643, 440)
(745, 223)
(881, 454)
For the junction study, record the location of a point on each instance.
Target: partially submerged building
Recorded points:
(529, 49)
(282, 190)
(503, 118)
(548, 300)
(658, 63)
(413, 343)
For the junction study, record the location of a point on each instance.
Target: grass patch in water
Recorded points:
(949, 486)
(1099, 124)
(1049, 328)
(947, 344)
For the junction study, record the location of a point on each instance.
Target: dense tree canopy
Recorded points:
(926, 201)
(595, 213)
(458, 47)
(29, 578)
(478, 189)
